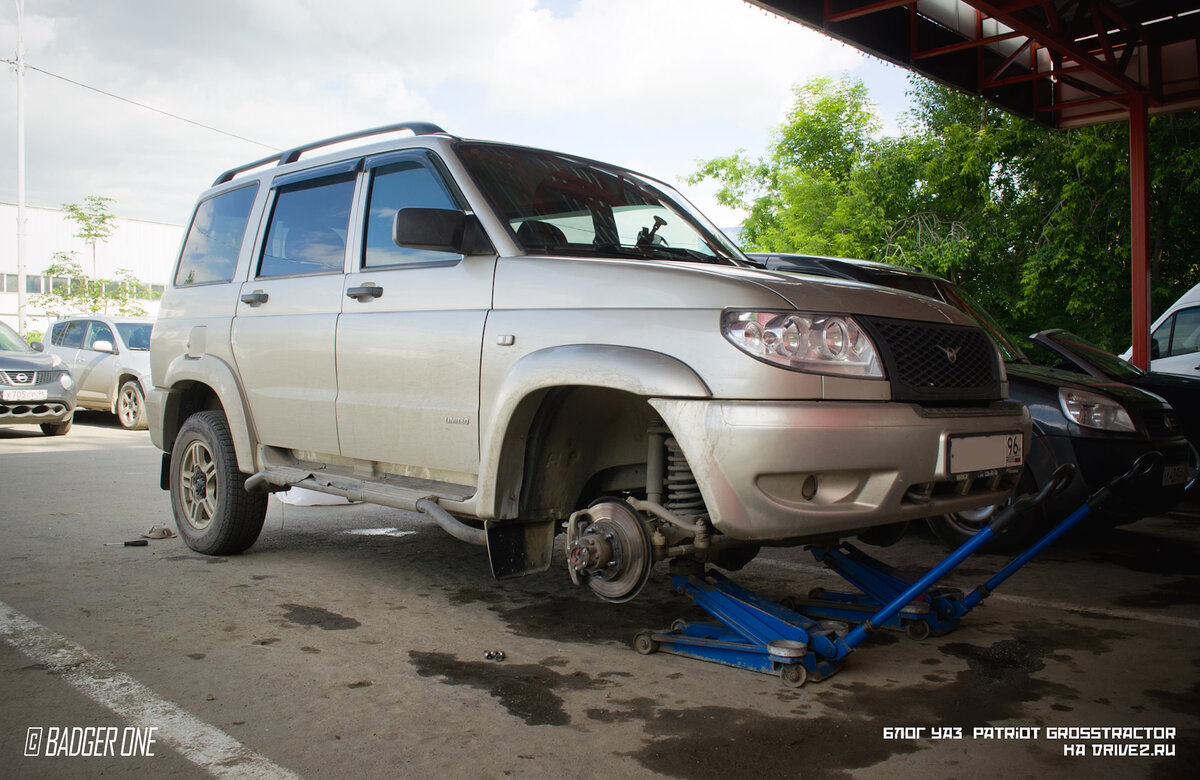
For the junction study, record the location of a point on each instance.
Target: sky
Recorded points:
(653, 85)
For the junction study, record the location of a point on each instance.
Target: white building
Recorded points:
(147, 249)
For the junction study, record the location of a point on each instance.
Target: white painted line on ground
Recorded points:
(204, 745)
(1125, 614)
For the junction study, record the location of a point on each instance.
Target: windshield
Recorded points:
(136, 335)
(11, 342)
(1109, 364)
(959, 299)
(566, 205)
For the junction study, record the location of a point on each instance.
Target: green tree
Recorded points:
(94, 220)
(1033, 222)
(72, 290)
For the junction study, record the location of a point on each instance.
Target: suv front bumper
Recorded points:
(775, 471)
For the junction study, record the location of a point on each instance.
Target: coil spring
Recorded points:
(683, 492)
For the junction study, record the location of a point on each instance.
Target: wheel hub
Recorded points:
(199, 484)
(608, 549)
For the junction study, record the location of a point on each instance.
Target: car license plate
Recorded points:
(1175, 475)
(981, 453)
(24, 395)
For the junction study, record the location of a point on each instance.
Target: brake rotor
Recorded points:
(612, 553)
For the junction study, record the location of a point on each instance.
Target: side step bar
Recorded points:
(423, 502)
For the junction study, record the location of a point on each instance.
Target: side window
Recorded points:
(406, 184)
(214, 239)
(307, 232)
(1185, 338)
(98, 332)
(69, 334)
(1160, 339)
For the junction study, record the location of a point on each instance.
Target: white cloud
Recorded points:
(653, 84)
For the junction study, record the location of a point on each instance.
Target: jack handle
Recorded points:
(1142, 468)
(1057, 483)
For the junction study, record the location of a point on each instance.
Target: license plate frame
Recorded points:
(987, 452)
(23, 394)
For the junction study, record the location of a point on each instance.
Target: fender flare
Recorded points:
(633, 370)
(215, 374)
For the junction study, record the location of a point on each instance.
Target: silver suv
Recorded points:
(515, 343)
(110, 359)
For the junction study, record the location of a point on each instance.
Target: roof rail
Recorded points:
(292, 155)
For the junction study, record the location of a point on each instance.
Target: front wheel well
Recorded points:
(584, 442)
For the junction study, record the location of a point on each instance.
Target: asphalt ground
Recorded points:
(351, 642)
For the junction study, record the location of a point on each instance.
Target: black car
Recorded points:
(1098, 424)
(1079, 355)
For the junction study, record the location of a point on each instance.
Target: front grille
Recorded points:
(928, 362)
(28, 378)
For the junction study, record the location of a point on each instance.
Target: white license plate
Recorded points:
(1175, 475)
(24, 395)
(982, 453)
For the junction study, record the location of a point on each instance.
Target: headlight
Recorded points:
(66, 381)
(1093, 410)
(820, 343)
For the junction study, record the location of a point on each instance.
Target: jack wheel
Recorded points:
(793, 675)
(644, 643)
(917, 630)
(678, 625)
(816, 593)
(790, 602)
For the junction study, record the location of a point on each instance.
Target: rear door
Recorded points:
(283, 333)
(409, 339)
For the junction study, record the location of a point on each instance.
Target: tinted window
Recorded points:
(135, 335)
(214, 240)
(69, 334)
(408, 184)
(307, 234)
(1185, 337)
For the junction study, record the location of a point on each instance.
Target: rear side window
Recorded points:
(307, 233)
(69, 334)
(406, 184)
(214, 240)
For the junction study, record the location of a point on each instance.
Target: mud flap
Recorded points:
(517, 549)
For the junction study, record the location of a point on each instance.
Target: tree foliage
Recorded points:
(71, 290)
(1033, 222)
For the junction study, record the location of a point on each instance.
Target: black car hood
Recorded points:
(1054, 378)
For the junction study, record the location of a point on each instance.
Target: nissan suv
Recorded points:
(516, 343)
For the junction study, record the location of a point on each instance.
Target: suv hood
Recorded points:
(847, 297)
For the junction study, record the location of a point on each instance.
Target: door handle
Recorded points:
(365, 292)
(255, 298)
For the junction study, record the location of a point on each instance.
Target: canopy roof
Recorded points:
(1061, 63)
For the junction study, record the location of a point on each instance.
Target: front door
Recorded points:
(409, 339)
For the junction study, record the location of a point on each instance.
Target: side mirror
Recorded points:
(440, 230)
(37, 346)
(103, 345)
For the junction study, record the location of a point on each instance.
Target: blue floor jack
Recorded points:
(766, 636)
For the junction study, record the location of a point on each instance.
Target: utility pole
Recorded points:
(20, 64)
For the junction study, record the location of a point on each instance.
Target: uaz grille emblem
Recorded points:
(951, 353)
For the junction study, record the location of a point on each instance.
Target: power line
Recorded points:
(151, 108)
